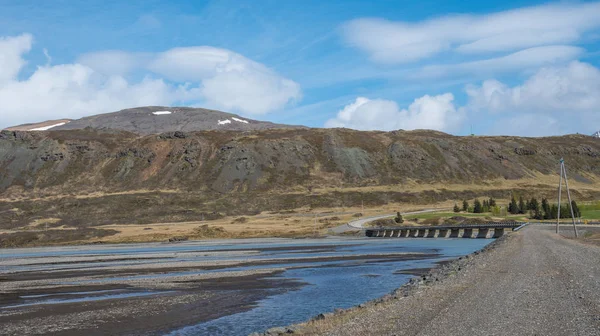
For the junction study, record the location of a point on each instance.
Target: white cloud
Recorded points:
(399, 42)
(428, 112)
(229, 80)
(73, 91)
(69, 90)
(225, 79)
(11, 49)
(572, 88)
(97, 83)
(567, 95)
(523, 59)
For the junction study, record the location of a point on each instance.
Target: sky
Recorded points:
(507, 67)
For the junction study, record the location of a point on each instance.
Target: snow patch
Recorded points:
(223, 122)
(596, 135)
(240, 120)
(45, 128)
(161, 112)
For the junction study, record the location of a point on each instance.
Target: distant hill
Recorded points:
(158, 119)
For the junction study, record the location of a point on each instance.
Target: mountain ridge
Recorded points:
(84, 177)
(230, 160)
(157, 119)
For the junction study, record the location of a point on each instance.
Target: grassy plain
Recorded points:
(160, 215)
(590, 211)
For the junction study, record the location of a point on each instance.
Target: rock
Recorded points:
(177, 239)
(322, 316)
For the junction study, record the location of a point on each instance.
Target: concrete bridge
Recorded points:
(487, 230)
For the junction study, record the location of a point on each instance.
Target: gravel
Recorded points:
(531, 282)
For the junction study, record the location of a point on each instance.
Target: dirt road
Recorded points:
(359, 223)
(533, 283)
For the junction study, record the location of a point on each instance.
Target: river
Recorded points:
(298, 280)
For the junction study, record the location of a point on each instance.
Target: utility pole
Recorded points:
(563, 172)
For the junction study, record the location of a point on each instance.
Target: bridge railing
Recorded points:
(462, 226)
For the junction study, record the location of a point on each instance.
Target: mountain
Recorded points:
(158, 119)
(95, 176)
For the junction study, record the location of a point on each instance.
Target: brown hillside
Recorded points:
(113, 176)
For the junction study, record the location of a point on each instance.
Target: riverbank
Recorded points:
(296, 223)
(529, 282)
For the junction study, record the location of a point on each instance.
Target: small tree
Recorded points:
(522, 207)
(465, 205)
(492, 202)
(399, 218)
(513, 208)
(533, 204)
(477, 207)
(546, 209)
(456, 208)
(554, 211)
(576, 210)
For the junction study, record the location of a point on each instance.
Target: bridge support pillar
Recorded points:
(454, 233)
(482, 233)
(403, 233)
(421, 233)
(413, 233)
(468, 233)
(498, 232)
(431, 233)
(442, 233)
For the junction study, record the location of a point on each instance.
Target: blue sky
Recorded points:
(510, 67)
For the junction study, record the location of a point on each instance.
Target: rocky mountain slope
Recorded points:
(158, 119)
(276, 159)
(108, 176)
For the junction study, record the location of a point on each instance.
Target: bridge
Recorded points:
(487, 230)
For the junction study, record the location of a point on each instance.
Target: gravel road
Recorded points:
(359, 223)
(532, 283)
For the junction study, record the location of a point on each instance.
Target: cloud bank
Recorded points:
(427, 112)
(548, 102)
(393, 42)
(101, 82)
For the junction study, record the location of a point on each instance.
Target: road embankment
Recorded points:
(531, 282)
